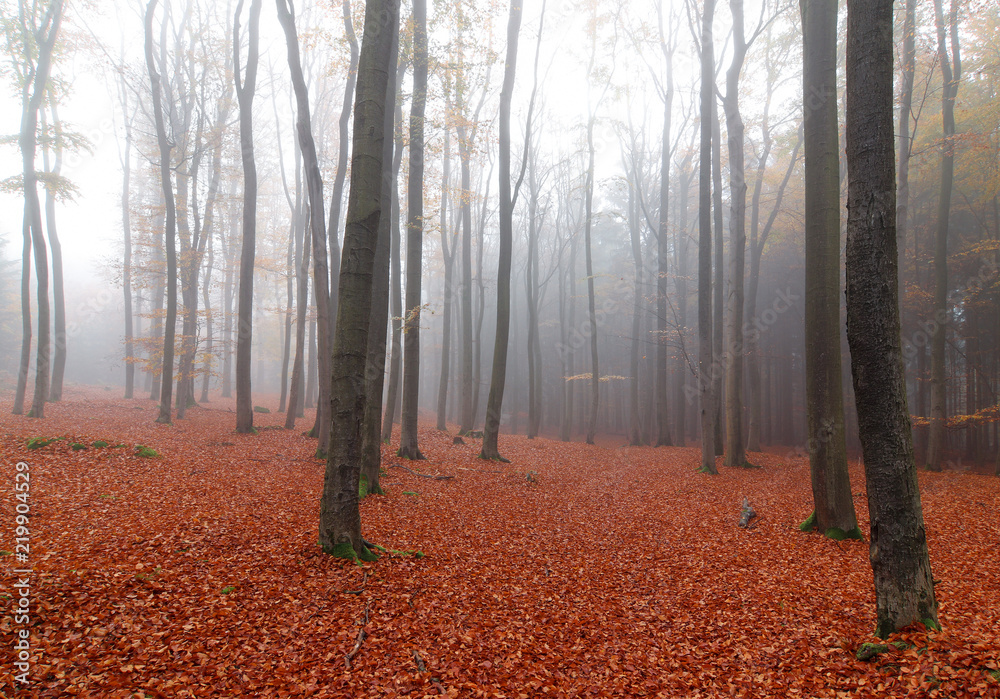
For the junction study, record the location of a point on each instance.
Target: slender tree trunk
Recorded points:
(705, 346)
(408, 441)
(951, 74)
(314, 185)
(663, 438)
(904, 587)
(286, 345)
(167, 371)
(718, 283)
(449, 257)
(333, 225)
(206, 296)
(735, 446)
(127, 235)
(371, 450)
(494, 403)
(25, 363)
(595, 374)
(831, 484)
(340, 518)
(58, 295)
(302, 256)
(395, 283)
(245, 88)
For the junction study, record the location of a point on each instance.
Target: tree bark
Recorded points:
(448, 255)
(314, 186)
(395, 282)
(167, 370)
(904, 588)
(371, 449)
(951, 74)
(705, 346)
(831, 484)
(58, 295)
(735, 446)
(245, 88)
(494, 403)
(340, 518)
(408, 441)
(663, 437)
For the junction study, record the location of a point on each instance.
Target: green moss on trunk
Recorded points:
(809, 524)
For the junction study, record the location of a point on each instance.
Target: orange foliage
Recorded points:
(607, 572)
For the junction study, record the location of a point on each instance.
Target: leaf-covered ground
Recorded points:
(574, 571)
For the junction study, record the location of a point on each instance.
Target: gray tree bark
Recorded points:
(245, 88)
(831, 484)
(340, 518)
(904, 587)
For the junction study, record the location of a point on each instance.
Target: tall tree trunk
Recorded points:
(395, 281)
(167, 370)
(58, 295)
(448, 254)
(494, 403)
(663, 259)
(595, 374)
(333, 224)
(951, 74)
(831, 484)
(735, 447)
(314, 185)
(302, 257)
(340, 519)
(904, 587)
(206, 296)
(371, 449)
(718, 281)
(127, 235)
(38, 50)
(25, 363)
(705, 347)
(408, 441)
(245, 88)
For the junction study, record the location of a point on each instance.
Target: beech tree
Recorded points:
(904, 586)
(166, 184)
(831, 484)
(245, 89)
(340, 519)
(408, 441)
(951, 74)
(494, 404)
(705, 346)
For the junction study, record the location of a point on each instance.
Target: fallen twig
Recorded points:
(423, 668)
(362, 635)
(422, 475)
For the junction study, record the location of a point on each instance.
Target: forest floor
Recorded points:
(573, 571)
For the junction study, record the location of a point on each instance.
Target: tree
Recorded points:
(735, 446)
(705, 350)
(37, 32)
(371, 450)
(951, 74)
(52, 188)
(494, 403)
(340, 519)
(408, 441)
(245, 88)
(904, 587)
(169, 330)
(831, 484)
(317, 226)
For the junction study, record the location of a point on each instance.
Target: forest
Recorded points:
(627, 347)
